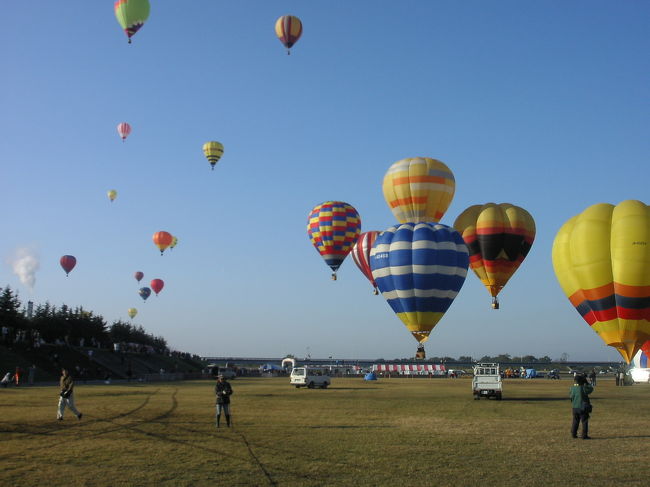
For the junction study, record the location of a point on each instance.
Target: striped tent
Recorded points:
(411, 369)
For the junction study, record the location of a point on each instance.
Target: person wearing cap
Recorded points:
(223, 390)
(66, 396)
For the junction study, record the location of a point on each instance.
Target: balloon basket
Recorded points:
(420, 354)
(333, 277)
(495, 303)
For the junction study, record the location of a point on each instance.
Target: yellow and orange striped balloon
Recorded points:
(419, 189)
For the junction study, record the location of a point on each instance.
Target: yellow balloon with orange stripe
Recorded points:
(419, 189)
(601, 258)
(499, 237)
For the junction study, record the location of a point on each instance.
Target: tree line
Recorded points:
(71, 325)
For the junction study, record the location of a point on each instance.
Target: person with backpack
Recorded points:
(581, 405)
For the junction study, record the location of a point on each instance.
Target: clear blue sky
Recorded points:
(540, 104)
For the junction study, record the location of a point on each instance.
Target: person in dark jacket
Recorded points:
(579, 394)
(223, 390)
(66, 396)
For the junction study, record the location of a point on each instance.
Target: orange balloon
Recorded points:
(162, 240)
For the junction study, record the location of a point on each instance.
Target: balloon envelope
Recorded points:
(499, 237)
(67, 263)
(157, 285)
(131, 15)
(333, 228)
(361, 255)
(213, 151)
(162, 240)
(138, 275)
(112, 194)
(123, 129)
(601, 259)
(288, 29)
(419, 269)
(174, 242)
(418, 189)
(144, 293)
(132, 312)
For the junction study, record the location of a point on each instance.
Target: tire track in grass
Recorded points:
(56, 428)
(257, 461)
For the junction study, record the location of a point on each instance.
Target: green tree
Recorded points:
(10, 312)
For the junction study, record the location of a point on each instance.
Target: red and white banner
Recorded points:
(410, 369)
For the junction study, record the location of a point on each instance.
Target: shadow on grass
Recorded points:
(621, 437)
(352, 388)
(536, 399)
(346, 426)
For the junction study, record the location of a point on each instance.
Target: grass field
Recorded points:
(394, 432)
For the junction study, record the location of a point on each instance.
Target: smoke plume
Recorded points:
(25, 263)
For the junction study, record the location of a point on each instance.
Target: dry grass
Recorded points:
(409, 432)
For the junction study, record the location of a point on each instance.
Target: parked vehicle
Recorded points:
(553, 374)
(310, 377)
(487, 381)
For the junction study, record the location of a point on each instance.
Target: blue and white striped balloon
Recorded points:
(419, 269)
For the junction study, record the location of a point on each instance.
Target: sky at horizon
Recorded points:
(543, 105)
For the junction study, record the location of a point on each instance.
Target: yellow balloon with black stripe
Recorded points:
(213, 150)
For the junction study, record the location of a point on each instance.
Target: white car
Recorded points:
(309, 377)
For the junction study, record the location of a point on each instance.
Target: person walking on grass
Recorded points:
(66, 396)
(579, 395)
(223, 390)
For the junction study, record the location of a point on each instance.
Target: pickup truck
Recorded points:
(487, 381)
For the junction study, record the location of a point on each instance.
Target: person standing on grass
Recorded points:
(223, 390)
(66, 397)
(592, 377)
(579, 395)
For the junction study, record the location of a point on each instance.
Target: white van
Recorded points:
(310, 377)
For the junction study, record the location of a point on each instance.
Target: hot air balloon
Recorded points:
(112, 194)
(499, 237)
(601, 259)
(361, 255)
(144, 293)
(288, 29)
(213, 151)
(418, 189)
(419, 269)
(333, 228)
(162, 240)
(123, 129)
(642, 358)
(68, 262)
(132, 312)
(138, 275)
(131, 14)
(157, 285)
(174, 242)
